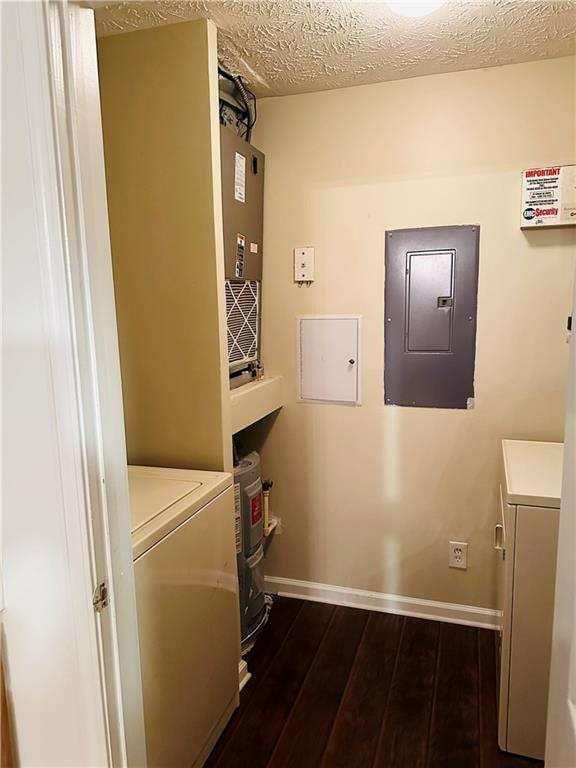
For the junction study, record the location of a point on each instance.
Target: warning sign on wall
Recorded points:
(549, 196)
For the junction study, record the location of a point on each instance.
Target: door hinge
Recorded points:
(100, 597)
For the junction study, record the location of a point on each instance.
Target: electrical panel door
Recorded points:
(430, 316)
(430, 301)
(242, 206)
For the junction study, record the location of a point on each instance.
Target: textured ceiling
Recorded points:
(291, 46)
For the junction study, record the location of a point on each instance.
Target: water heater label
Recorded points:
(256, 509)
(239, 178)
(549, 196)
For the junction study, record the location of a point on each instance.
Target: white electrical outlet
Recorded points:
(304, 265)
(458, 554)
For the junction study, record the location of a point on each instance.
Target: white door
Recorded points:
(75, 64)
(561, 727)
(65, 513)
(49, 627)
(328, 351)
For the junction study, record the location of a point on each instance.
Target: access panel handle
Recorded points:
(499, 537)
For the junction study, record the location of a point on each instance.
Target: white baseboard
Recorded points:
(469, 615)
(243, 674)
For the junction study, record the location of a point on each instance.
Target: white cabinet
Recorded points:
(329, 359)
(526, 539)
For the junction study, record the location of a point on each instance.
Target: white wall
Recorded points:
(48, 625)
(370, 496)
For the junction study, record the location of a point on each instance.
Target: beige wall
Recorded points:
(370, 496)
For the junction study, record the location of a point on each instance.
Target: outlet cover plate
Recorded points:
(458, 554)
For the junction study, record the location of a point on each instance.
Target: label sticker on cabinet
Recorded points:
(240, 249)
(239, 178)
(237, 518)
(253, 247)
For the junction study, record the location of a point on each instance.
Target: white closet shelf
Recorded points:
(250, 403)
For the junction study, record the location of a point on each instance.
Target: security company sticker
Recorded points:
(239, 178)
(237, 518)
(549, 196)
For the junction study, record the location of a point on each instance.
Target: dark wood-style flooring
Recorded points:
(337, 687)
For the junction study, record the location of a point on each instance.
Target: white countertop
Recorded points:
(533, 472)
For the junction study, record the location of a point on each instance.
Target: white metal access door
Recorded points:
(561, 726)
(329, 359)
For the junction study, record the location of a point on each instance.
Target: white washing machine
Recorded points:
(526, 538)
(187, 596)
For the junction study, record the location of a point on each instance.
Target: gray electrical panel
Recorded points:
(242, 206)
(431, 288)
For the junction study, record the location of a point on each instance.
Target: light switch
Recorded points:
(303, 265)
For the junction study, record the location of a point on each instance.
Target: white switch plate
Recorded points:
(458, 554)
(303, 265)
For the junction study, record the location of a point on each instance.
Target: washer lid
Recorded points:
(162, 499)
(533, 472)
(150, 495)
